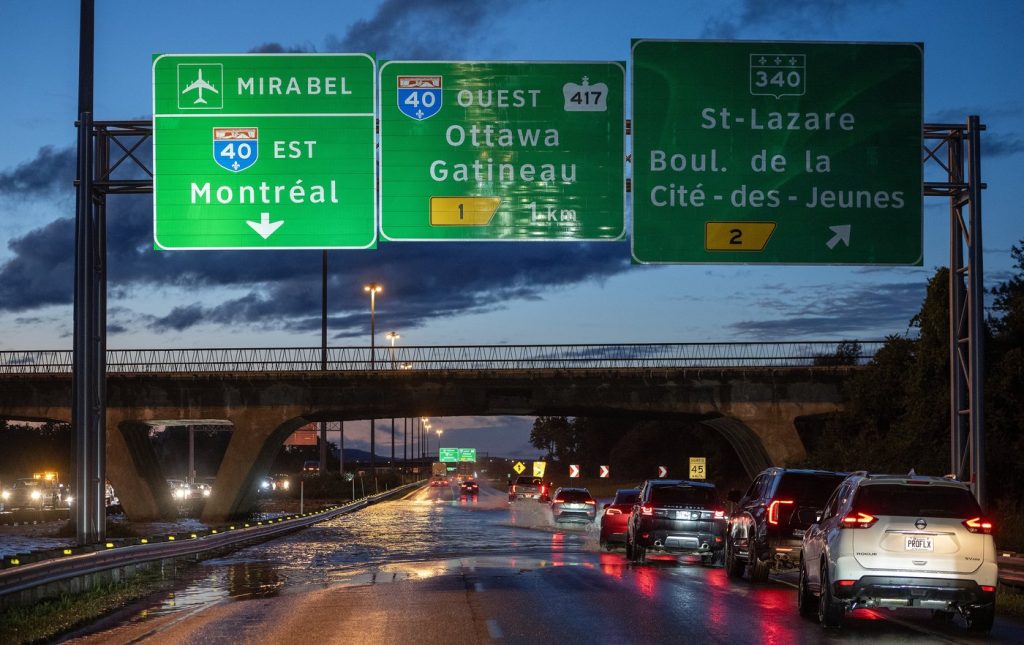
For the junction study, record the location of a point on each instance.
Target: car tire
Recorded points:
(733, 566)
(979, 618)
(759, 568)
(805, 600)
(830, 612)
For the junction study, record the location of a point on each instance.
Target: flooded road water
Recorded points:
(434, 567)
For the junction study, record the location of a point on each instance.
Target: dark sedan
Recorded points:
(469, 487)
(616, 517)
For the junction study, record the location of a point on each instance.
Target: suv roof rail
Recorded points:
(859, 473)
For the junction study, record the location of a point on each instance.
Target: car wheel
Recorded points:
(733, 565)
(758, 568)
(830, 612)
(979, 618)
(804, 598)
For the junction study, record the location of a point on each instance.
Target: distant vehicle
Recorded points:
(527, 488)
(110, 496)
(436, 482)
(573, 505)
(311, 467)
(265, 484)
(281, 482)
(201, 490)
(39, 491)
(770, 519)
(616, 516)
(439, 469)
(469, 487)
(676, 516)
(900, 541)
(180, 490)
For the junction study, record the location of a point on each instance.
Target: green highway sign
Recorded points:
(264, 151)
(448, 454)
(502, 151)
(467, 454)
(777, 152)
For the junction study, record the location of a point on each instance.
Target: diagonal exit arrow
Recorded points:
(265, 227)
(842, 233)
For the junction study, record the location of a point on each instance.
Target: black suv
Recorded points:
(769, 521)
(676, 516)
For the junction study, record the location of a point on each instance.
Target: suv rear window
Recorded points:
(683, 496)
(626, 497)
(916, 500)
(808, 489)
(529, 481)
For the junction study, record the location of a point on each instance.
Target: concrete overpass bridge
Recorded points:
(751, 393)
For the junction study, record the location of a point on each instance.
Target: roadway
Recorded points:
(433, 568)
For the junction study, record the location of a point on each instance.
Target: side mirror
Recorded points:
(606, 506)
(734, 496)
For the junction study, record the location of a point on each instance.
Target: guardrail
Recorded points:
(1011, 569)
(76, 562)
(471, 357)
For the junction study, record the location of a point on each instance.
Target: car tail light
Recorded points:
(719, 515)
(978, 525)
(859, 521)
(845, 583)
(559, 500)
(542, 489)
(513, 488)
(647, 509)
(612, 511)
(590, 501)
(988, 588)
(773, 509)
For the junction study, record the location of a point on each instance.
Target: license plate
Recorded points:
(919, 543)
(687, 515)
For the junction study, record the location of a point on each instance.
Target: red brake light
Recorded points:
(988, 588)
(859, 521)
(589, 501)
(559, 500)
(719, 515)
(978, 525)
(647, 509)
(773, 509)
(845, 583)
(612, 511)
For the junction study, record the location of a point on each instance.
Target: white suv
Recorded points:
(900, 541)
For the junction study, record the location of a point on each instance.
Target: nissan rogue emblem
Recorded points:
(921, 524)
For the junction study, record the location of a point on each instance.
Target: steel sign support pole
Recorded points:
(323, 351)
(957, 324)
(89, 365)
(341, 447)
(976, 301)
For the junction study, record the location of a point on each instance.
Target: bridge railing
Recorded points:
(470, 357)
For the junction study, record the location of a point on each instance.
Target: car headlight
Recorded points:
(6, 494)
(285, 485)
(36, 495)
(206, 492)
(69, 499)
(265, 485)
(179, 494)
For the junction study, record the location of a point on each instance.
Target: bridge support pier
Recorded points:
(134, 470)
(258, 436)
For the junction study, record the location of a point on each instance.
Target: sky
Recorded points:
(451, 293)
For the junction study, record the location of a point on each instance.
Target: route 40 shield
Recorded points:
(419, 97)
(235, 149)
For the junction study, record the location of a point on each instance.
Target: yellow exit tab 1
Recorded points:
(737, 236)
(463, 211)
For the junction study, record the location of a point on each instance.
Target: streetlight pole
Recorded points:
(373, 289)
(393, 336)
(440, 432)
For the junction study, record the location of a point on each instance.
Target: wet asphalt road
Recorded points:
(433, 568)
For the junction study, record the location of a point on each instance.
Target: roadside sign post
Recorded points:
(448, 454)
(502, 151)
(574, 470)
(467, 454)
(538, 468)
(662, 472)
(605, 472)
(257, 151)
(698, 468)
(777, 152)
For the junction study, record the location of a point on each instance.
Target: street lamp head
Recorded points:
(392, 336)
(373, 287)
(440, 432)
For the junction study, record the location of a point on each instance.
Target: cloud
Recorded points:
(421, 29)
(52, 171)
(823, 311)
(1001, 145)
(794, 16)
(278, 48)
